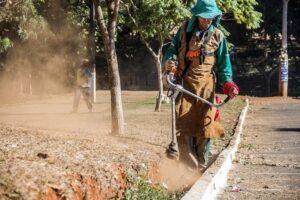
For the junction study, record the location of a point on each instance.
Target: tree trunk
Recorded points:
(115, 91)
(283, 71)
(158, 61)
(160, 84)
(113, 69)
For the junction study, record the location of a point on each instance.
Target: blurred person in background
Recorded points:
(82, 86)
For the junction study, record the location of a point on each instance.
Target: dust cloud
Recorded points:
(177, 176)
(44, 64)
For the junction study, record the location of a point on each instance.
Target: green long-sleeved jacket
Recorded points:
(223, 64)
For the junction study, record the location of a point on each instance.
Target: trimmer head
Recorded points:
(173, 151)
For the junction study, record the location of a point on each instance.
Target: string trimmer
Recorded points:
(174, 90)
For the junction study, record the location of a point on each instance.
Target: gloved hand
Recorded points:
(169, 65)
(231, 89)
(233, 92)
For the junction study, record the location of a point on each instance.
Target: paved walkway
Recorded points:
(267, 165)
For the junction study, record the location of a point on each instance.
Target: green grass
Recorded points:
(139, 188)
(144, 190)
(140, 103)
(147, 102)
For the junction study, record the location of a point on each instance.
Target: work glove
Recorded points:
(233, 92)
(169, 64)
(231, 89)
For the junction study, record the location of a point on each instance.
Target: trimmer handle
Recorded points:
(179, 88)
(227, 99)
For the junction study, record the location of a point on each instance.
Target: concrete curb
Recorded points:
(215, 177)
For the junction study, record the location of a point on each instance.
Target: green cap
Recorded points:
(207, 9)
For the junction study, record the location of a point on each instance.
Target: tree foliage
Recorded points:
(243, 12)
(15, 18)
(156, 18)
(21, 20)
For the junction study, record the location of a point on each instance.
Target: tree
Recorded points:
(154, 21)
(108, 31)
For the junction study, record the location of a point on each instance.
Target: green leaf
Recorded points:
(5, 44)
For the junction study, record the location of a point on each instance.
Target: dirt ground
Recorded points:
(48, 152)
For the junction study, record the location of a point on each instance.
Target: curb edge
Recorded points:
(213, 180)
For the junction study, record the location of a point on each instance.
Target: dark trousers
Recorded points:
(199, 147)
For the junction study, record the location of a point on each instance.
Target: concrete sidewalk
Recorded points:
(267, 164)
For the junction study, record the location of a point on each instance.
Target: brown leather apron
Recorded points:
(193, 117)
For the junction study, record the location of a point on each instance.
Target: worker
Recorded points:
(199, 46)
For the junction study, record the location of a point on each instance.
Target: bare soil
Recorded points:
(48, 152)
